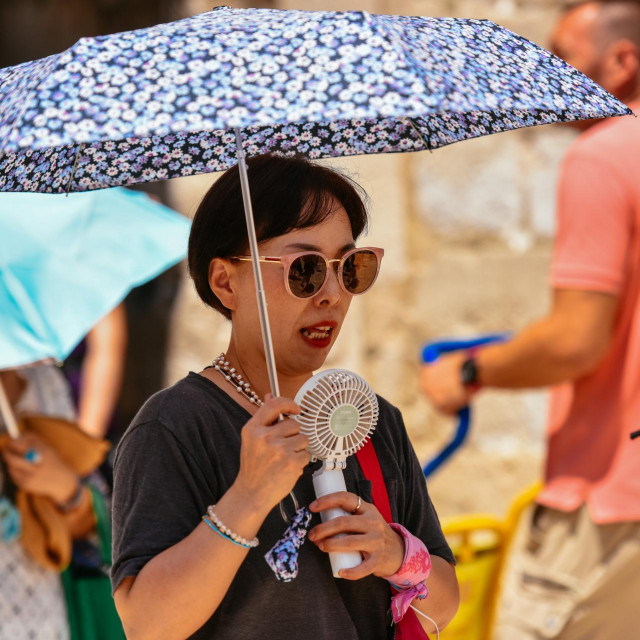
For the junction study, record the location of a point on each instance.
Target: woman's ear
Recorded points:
(221, 282)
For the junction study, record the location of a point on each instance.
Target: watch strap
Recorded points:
(469, 373)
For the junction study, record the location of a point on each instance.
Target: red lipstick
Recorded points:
(320, 334)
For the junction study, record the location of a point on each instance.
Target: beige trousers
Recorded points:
(570, 579)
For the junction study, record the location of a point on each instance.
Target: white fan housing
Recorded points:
(339, 412)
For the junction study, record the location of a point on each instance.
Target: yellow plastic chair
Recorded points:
(481, 544)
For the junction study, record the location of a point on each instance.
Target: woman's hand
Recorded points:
(365, 531)
(44, 474)
(272, 455)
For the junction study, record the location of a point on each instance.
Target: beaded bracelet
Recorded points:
(232, 535)
(214, 528)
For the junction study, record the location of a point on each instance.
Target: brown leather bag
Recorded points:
(44, 532)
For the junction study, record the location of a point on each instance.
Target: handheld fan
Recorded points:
(339, 412)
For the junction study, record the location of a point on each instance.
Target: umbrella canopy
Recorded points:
(192, 96)
(165, 101)
(66, 261)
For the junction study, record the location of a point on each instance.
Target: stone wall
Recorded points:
(467, 232)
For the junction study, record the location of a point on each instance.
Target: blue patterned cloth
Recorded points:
(163, 102)
(283, 556)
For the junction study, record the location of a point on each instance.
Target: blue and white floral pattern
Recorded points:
(283, 556)
(163, 102)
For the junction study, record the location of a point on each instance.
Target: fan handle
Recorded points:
(325, 482)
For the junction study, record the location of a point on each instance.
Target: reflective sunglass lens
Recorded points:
(306, 275)
(359, 271)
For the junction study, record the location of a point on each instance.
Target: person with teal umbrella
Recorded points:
(65, 264)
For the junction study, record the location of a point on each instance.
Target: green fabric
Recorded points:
(90, 608)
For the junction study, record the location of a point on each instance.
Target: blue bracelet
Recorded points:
(213, 526)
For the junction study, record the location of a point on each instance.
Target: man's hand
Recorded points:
(442, 384)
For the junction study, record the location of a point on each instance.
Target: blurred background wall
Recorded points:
(467, 232)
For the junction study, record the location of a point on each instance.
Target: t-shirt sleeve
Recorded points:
(419, 515)
(158, 498)
(593, 225)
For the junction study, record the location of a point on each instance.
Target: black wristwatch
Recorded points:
(469, 373)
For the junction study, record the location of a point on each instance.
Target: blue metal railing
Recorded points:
(430, 353)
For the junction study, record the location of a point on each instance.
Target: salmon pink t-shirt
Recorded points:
(591, 457)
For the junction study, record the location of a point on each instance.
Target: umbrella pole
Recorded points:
(257, 273)
(257, 276)
(8, 415)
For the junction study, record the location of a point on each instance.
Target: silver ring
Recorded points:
(353, 513)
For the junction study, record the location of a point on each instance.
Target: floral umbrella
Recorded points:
(195, 95)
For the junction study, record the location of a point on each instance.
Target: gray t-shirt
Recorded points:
(181, 454)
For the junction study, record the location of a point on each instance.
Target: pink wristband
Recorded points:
(409, 580)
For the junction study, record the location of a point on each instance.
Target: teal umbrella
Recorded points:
(67, 261)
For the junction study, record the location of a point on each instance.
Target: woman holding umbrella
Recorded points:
(202, 468)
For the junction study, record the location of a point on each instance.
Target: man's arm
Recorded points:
(565, 345)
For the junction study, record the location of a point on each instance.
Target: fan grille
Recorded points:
(339, 412)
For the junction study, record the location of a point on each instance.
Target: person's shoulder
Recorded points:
(47, 392)
(387, 407)
(390, 418)
(607, 140)
(185, 390)
(391, 439)
(178, 407)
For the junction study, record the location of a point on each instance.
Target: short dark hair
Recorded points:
(617, 20)
(286, 193)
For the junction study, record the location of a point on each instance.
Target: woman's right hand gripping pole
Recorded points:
(273, 454)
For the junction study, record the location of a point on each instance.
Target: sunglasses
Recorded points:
(306, 272)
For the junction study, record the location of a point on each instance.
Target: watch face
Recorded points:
(469, 372)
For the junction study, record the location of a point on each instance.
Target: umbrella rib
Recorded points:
(419, 134)
(75, 166)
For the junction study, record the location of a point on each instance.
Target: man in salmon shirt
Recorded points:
(576, 572)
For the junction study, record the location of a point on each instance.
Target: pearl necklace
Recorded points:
(235, 379)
